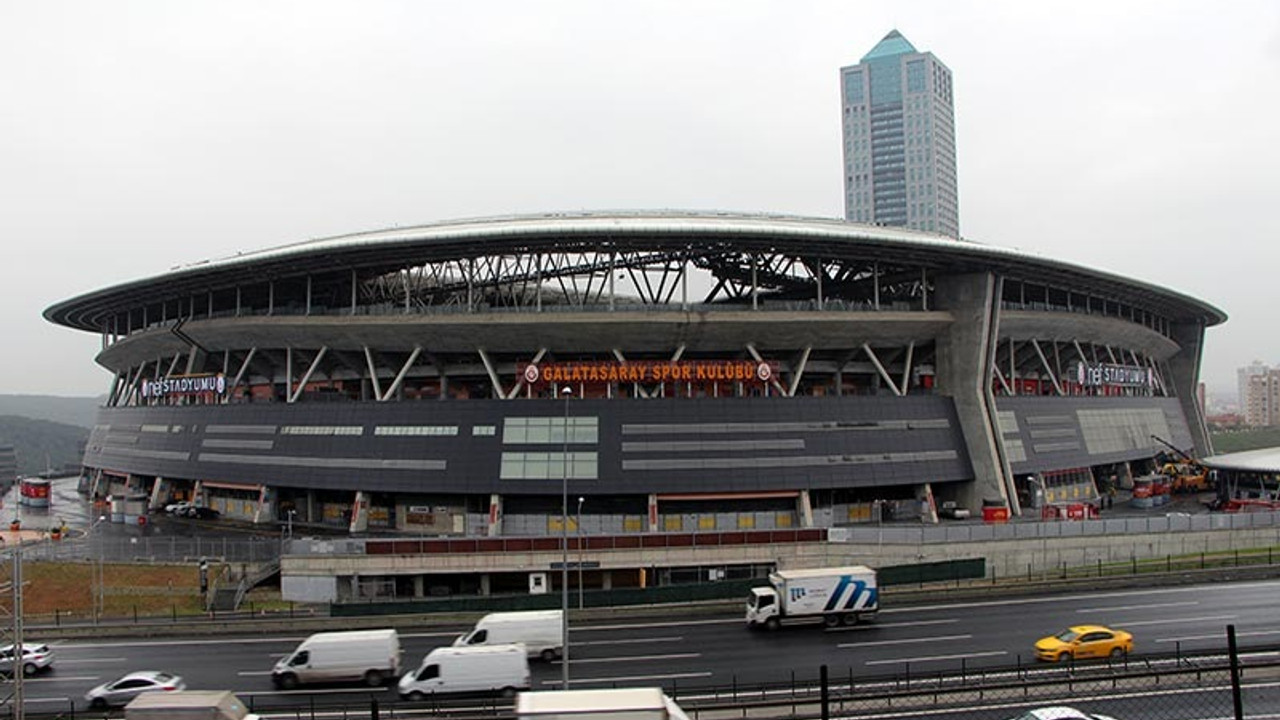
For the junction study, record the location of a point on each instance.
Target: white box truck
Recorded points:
(540, 631)
(619, 704)
(490, 669)
(837, 596)
(188, 705)
(368, 656)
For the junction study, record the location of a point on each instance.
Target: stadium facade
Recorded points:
(686, 372)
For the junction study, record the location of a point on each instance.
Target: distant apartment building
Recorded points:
(8, 465)
(899, 139)
(1259, 394)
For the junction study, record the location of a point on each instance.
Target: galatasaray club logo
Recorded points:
(531, 374)
(764, 372)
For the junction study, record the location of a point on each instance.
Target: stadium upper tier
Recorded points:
(603, 260)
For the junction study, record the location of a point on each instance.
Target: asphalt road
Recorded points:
(717, 650)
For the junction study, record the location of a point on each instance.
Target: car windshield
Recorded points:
(1068, 635)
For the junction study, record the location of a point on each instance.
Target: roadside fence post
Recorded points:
(373, 707)
(1236, 700)
(825, 691)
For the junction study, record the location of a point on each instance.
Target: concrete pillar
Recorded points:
(606, 579)
(484, 584)
(495, 516)
(198, 495)
(359, 513)
(1184, 367)
(159, 493)
(966, 352)
(804, 509)
(419, 585)
(653, 512)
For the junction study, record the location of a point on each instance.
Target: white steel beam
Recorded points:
(884, 374)
(306, 377)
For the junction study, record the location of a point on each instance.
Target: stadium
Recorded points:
(672, 372)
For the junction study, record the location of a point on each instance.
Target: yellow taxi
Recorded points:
(1084, 641)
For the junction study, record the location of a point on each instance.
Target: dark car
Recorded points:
(202, 513)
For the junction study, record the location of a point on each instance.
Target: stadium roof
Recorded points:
(1265, 460)
(819, 237)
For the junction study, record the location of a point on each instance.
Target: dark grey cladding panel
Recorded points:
(1054, 433)
(708, 444)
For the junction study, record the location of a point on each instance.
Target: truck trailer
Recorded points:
(614, 704)
(836, 596)
(188, 705)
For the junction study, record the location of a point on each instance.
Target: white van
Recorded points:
(369, 656)
(541, 632)
(492, 669)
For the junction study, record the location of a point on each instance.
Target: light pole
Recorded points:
(580, 499)
(99, 573)
(564, 547)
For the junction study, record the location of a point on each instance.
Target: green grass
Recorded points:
(1242, 440)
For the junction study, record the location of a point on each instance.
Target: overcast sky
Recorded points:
(1138, 137)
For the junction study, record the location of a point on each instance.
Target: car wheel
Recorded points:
(1064, 657)
(508, 692)
(373, 678)
(29, 669)
(416, 696)
(547, 655)
(830, 620)
(772, 624)
(98, 704)
(287, 681)
(849, 619)
(1117, 653)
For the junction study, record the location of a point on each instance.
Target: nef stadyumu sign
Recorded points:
(649, 371)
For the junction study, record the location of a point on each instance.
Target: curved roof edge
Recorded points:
(672, 221)
(1264, 460)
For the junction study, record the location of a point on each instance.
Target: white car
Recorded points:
(120, 691)
(1060, 712)
(179, 508)
(34, 659)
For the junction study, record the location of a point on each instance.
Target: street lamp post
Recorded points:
(580, 499)
(564, 546)
(99, 573)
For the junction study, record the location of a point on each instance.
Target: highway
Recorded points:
(701, 650)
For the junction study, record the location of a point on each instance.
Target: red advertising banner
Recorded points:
(649, 371)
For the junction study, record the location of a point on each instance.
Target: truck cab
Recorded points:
(762, 607)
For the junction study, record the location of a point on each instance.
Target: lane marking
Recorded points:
(1168, 621)
(322, 691)
(27, 700)
(60, 678)
(632, 641)
(1152, 606)
(664, 624)
(89, 661)
(630, 678)
(1092, 597)
(906, 641)
(1218, 636)
(930, 658)
(633, 658)
(253, 673)
(876, 626)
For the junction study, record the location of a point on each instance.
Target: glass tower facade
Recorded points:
(899, 139)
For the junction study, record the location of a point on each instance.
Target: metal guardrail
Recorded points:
(959, 533)
(155, 550)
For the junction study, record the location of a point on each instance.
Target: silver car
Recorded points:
(34, 659)
(121, 691)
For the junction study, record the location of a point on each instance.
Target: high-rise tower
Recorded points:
(899, 139)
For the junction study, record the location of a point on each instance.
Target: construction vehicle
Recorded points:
(1185, 473)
